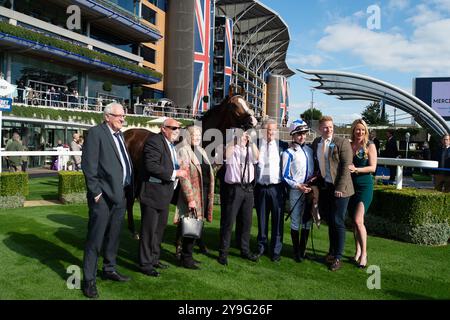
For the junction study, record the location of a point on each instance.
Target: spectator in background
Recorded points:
(376, 142)
(75, 146)
(442, 180)
(391, 151)
(426, 153)
(15, 162)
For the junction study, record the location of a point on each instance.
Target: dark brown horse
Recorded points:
(233, 112)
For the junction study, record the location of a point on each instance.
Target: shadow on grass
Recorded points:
(75, 235)
(46, 252)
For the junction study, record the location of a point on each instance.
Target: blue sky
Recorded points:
(413, 41)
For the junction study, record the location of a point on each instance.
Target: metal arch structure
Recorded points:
(352, 86)
(260, 36)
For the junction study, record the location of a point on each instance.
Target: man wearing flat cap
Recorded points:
(298, 169)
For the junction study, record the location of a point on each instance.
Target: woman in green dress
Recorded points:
(364, 164)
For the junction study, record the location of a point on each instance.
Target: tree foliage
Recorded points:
(373, 116)
(316, 114)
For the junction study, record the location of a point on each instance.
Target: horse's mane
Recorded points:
(224, 102)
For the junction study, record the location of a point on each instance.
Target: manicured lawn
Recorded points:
(38, 244)
(43, 188)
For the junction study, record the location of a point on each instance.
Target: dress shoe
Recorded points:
(329, 258)
(203, 249)
(336, 265)
(160, 265)
(250, 256)
(196, 261)
(151, 272)
(276, 258)
(361, 265)
(190, 265)
(223, 260)
(115, 276)
(90, 289)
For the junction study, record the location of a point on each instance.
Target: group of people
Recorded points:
(329, 176)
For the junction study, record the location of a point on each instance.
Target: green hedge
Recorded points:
(412, 215)
(71, 187)
(13, 189)
(84, 117)
(31, 35)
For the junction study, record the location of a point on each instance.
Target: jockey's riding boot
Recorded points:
(303, 242)
(295, 244)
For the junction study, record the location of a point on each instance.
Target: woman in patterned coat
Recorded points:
(197, 191)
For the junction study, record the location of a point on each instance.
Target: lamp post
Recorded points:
(407, 136)
(312, 107)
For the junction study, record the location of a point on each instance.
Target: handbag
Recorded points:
(191, 226)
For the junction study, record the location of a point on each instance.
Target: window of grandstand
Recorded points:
(148, 14)
(148, 54)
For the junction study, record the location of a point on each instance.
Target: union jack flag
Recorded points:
(284, 99)
(204, 17)
(228, 53)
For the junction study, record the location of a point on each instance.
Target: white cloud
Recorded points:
(443, 5)
(424, 15)
(304, 61)
(425, 52)
(398, 4)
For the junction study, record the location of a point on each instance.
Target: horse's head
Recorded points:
(241, 114)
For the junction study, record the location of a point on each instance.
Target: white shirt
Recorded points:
(122, 160)
(269, 163)
(327, 175)
(173, 156)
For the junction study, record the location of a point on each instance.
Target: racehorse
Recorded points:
(233, 112)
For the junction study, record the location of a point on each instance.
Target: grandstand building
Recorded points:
(69, 58)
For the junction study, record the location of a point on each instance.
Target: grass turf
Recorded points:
(38, 244)
(45, 188)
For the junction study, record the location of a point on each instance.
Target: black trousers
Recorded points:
(334, 211)
(237, 201)
(153, 224)
(105, 222)
(270, 199)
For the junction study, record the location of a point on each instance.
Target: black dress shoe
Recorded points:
(223, 260)
(90, 289)
(151, 272)
(250, 256)
(276, 258)
(196, 261)
(115, 276)
(190, 265)
(160, 265)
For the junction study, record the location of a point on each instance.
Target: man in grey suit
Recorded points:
(108, 174)
(332, 156)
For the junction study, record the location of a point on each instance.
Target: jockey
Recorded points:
(298, 168)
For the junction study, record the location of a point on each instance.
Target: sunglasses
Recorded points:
(173, 128)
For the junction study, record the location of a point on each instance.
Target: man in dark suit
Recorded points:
(160, 172)
(391, 151)
(108, 174)
(270, 191)
(332, 156)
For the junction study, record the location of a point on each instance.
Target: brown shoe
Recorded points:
(329, 258)
(336, 265)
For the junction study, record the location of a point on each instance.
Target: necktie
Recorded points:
(176, 166)
(124, 156)
(322, 162)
